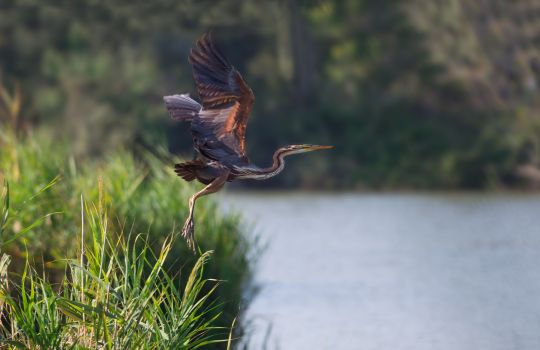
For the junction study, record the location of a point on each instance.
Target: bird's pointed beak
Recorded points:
(318, 147)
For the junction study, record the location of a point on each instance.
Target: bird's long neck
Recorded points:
(278, 163)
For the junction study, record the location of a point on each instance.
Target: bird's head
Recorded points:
(295, 149)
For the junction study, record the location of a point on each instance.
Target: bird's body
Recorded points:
(218, 127)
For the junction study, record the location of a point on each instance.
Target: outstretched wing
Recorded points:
(219, 129)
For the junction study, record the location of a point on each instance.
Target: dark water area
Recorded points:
(394, 271)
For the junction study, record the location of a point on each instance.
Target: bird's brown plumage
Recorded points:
(188, 170)
(226, 103)
(218, 127)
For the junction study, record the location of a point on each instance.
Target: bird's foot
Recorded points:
(188, 232)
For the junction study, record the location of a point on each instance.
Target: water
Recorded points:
(395, 271)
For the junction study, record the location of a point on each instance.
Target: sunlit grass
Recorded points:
(142, 203)
(117, 294)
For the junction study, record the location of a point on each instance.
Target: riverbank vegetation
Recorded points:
(135, 284)
(115, 295)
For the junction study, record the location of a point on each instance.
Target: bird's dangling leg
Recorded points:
(188, 232)
(189, 225)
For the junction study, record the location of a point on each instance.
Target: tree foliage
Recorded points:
(412, 93)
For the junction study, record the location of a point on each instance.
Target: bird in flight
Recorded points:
(218, 127)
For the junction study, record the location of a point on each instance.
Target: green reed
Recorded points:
(140, 204)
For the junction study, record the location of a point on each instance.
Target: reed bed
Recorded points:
(90, 256)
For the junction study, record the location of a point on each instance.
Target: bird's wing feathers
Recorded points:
(182, 107)
(198, 169)
(226, 98)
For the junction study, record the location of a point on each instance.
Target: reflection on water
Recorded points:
(396, 271)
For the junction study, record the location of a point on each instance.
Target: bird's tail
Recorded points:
(182, 107)
(188, 170)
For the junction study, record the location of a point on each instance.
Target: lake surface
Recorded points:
(388, 271)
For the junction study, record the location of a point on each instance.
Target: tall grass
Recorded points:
(135, 195)
(117, 294)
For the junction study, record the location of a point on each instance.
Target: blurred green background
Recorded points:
(413, 94)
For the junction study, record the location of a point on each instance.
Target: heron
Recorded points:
(218, 127)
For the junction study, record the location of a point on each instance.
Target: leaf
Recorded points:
(4, 214)
(27, 229)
